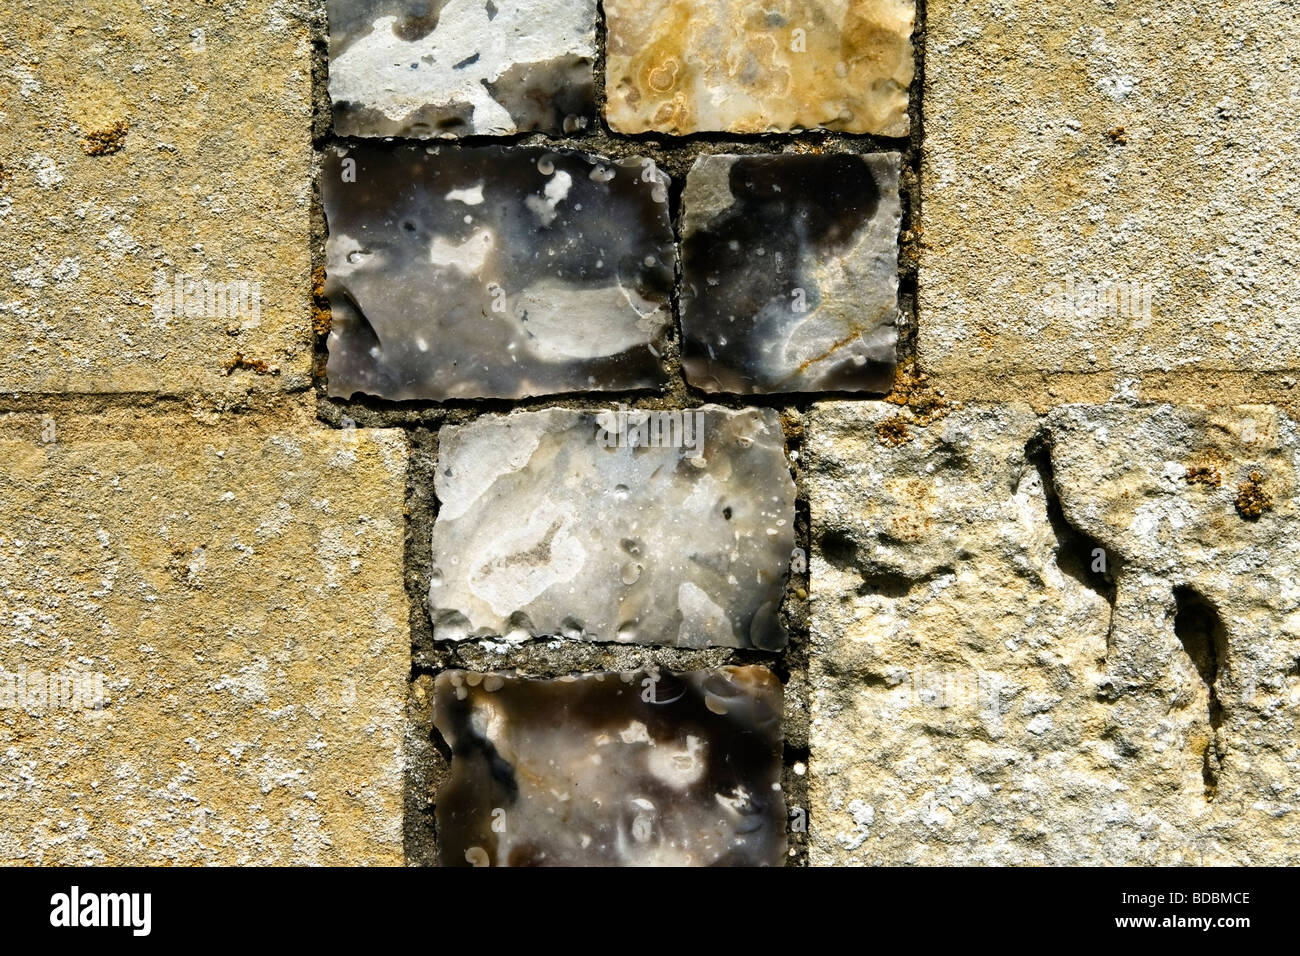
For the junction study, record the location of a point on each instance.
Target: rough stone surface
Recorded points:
(1053, 640)
(241, 594)
(426, 68)
(741, 66)
(605, 526)
(642, 768)
(133, 153)
(1203, 657)
(790, 273)
(494, 272)
(1121, 143)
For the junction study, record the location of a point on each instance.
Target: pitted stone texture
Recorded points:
(1130, 144)
(977, 697)
(790, 273)
(741, 66)
(555, 522)
(494, 272)
(242, 595)
(446, 68)
(131, 155)
(643, 768)
(1157, 488)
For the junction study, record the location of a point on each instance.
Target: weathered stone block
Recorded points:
(686, 66)
(494, 272)
(633, 769)
(640, 527)
(1108, 195)
(1053, 640)
(790, 273)
(459, 67)
(133, 164)
(240, 597)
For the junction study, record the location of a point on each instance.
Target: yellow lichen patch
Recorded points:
(241, 361)
(893, 431)
(106, 141)
(1203, 475)
(1252, 500)
(912, 390)
(793, 426)
(320, 305)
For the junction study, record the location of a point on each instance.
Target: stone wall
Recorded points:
(656, 431)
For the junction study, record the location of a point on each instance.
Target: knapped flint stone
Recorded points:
(790, 273)
(447, 68)
(632, 769)
(494, 272)
(684, 66)
(543, 530)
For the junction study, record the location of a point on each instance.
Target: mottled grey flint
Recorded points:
(494, 272)
(447, 68)
(644, 768)
(562, 522)
(790, 273)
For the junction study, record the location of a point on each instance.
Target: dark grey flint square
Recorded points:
(639, 768)
(494, 272)
(790, 273)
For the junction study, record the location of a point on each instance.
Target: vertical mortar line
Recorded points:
(598, 69)
(423, 769)
(678, 388)
(321, 128)
(793, 659)
(913, 239)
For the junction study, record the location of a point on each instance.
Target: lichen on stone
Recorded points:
(893, 432)
(106, 141)
(242, 361)
(1203, 475)
(913, 391)
(320, 303)
(1252, 500)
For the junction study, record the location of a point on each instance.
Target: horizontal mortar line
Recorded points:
(431, 408)
(665, 141)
